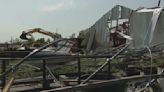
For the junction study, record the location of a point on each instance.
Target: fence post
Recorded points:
(3, 65)
(109, 69)
(45, 84)
(79, 70)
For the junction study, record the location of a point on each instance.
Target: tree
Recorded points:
(41, 41)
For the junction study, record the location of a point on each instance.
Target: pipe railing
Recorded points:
(78, 57)
(15, 67)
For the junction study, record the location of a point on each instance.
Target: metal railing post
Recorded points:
(103, 65)
(3, 66)
(45, 84)
(79, 70)
(109, 69)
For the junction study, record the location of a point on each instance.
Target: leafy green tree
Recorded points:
(41, 41)
(48, 40)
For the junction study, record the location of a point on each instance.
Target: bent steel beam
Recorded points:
(15, 67)
(101, 67)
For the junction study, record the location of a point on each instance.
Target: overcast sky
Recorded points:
(66, 16)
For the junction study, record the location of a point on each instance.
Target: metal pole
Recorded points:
(53, 76)
(117, 24)
(101, 67)
(44, 84)
(16, 66)
(109, 69)
(159, 2)
(79, 71)
(3, 70)
(9, 84)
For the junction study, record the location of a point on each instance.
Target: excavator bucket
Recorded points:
(24, 36)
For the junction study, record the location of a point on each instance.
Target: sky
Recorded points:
(63, 16)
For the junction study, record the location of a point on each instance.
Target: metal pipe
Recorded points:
(108, 83)
(150, 82)
(79, 70)
(3, 70)
(86, 80)
(159, 3)
(9, 84)
(55, 79)
(109, 69)
(15, 67)
(44, 83)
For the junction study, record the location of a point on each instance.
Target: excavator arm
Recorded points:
(39, 30)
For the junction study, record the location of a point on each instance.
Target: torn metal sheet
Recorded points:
(97, 36)
(146, 27)
(150, 31)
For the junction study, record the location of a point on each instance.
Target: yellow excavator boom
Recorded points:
(39, 30)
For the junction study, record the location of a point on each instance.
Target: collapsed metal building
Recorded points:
(97, 37)
(128, 33)
(145, 27)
